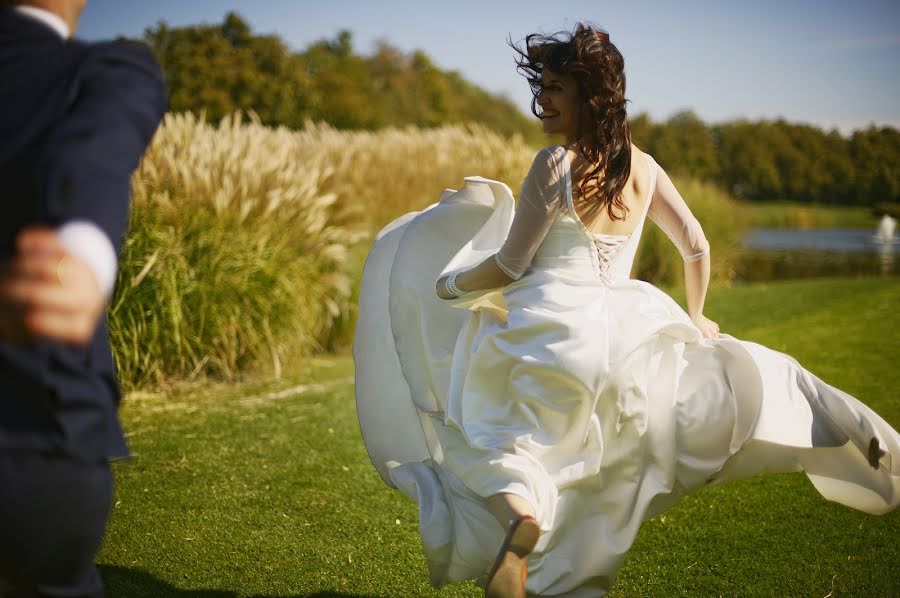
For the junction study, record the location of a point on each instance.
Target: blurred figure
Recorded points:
(75, 119)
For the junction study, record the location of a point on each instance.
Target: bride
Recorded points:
(541, 404)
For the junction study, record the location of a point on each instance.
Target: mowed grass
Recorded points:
(791, 214)
(266, 490)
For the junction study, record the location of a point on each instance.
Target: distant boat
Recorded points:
(886, 229)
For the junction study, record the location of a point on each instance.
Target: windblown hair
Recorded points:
(604, 138)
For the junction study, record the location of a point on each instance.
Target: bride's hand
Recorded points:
(708, 328)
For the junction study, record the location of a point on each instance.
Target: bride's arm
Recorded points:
(486, 275)
(539, 201)
(696, 281)
(669, 210)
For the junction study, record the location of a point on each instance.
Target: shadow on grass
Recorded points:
(122, 582)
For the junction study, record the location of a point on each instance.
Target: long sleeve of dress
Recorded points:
(670, 212)
(540, 199)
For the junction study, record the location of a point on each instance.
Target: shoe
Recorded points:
(875, 453)
(510, 571)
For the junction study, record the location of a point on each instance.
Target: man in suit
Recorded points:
(74, 120)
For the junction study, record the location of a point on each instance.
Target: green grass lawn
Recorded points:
(790, 214)
(266, 490)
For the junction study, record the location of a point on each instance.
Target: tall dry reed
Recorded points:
(236, 255)
(393, 171)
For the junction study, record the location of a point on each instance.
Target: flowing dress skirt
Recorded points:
(596, 400)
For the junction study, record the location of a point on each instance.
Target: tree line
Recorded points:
(764, 160)
(225, 67)
(221, 68)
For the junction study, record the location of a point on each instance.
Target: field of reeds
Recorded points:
(246, 242)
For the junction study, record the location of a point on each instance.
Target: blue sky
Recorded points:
(829, 63)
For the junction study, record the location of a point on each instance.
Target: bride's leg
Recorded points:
(508, 508)
(510, 571)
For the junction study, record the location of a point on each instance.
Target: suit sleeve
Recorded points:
(85, 174)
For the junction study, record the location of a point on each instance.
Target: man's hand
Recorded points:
(48, 293)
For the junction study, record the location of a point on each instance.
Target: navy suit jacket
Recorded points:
(75, 119)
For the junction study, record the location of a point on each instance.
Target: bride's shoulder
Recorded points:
(552, 154)
(638, 157)
(640, 176)
(548, 161)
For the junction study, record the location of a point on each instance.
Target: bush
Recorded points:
(236, 255)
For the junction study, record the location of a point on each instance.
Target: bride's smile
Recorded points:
(559, 101)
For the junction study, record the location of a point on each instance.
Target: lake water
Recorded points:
(770, 253)
(829, 240)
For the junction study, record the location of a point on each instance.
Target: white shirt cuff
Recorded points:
(50, 19)
(87, 241)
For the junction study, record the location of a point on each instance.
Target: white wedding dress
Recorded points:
(588, 393)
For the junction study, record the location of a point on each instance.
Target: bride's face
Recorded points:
(560, 104)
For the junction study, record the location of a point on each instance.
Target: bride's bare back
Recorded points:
(634, 194)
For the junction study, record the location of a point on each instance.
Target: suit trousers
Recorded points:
(53, 512)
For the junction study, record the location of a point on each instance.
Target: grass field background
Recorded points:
(266, 490)
(791, 214)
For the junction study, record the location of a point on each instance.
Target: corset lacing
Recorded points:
(607, 247)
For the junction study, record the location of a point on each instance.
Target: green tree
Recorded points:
(686, 145)
(747, 165)
(876, 154)
(642, 131)
(221, 68)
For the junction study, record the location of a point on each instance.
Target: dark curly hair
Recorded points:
(604, 138)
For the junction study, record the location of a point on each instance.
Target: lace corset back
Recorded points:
(614, 254)
(607, 247)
